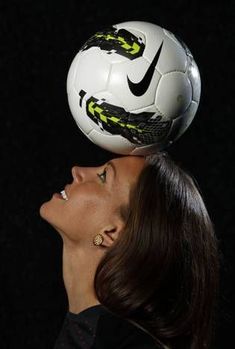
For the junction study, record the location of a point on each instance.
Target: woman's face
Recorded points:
(93, 199)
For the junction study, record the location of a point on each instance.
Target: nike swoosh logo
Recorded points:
(139, 88)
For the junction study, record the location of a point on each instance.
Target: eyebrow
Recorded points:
(113, 167)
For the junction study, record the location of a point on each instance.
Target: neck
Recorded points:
(78, 274)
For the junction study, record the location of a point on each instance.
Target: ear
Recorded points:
(111, 232)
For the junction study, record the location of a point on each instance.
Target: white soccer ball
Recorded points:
(133, 88)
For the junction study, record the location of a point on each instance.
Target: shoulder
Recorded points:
(98, 328)
(115, 332)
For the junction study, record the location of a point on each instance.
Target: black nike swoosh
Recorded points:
(139, 88)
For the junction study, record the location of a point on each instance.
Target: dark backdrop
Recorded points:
(40, 142)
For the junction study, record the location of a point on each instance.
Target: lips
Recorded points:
(59, 196)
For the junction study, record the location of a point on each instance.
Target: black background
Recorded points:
(40, 142)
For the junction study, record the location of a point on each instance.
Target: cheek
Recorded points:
(82, 215)
(87, 214)
(88, 206)
(84, 212)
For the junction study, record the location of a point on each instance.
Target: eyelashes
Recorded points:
(101, 175)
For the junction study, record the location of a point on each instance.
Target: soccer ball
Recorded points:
(133, 88)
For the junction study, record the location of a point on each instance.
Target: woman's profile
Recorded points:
(140, 256)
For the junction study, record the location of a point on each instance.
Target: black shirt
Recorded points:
(98, 328)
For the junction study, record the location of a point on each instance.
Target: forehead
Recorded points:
(131, 159)
(129, 166)
(127, 170)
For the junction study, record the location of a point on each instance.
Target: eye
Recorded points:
(101, 175)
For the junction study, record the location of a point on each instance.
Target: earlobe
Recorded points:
(103, 240)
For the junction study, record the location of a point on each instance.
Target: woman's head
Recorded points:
(162, 271)
(159, 261)
(98, 199)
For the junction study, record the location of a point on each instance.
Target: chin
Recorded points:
(44, 211)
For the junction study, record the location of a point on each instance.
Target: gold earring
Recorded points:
(98, 240)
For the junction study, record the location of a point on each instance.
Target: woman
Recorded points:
(140, 256)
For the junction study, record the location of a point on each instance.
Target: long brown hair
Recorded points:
(163, 270)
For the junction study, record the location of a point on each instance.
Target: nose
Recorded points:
(76, 173)
(81, 174)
